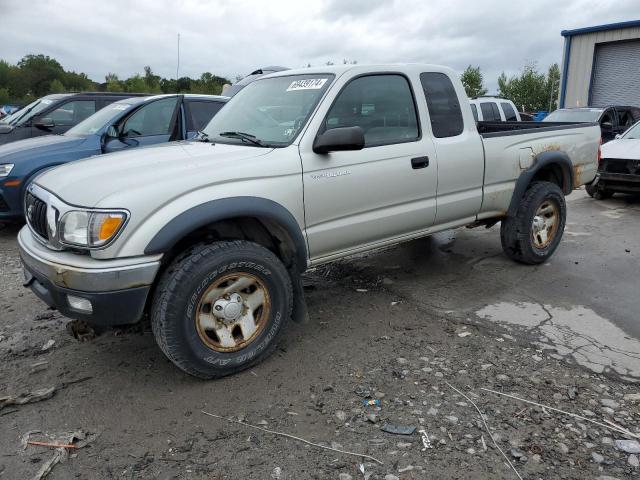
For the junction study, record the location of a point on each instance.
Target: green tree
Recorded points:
(472, 81)
(113, 83)
(151, 81)
(135, 84)
(56, 86)
(553, 86)
(4, 96)
(527, 90)
(78, 82)
(38, 72)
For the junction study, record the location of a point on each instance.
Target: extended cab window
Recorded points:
(72, 113)
(155, 118)
(490, 112)
(509, 112)
(199, 113)
(382, 105)
(443, 104)
(474, 110)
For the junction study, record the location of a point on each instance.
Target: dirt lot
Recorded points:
(401, 326)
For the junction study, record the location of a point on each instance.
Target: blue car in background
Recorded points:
(128, 123)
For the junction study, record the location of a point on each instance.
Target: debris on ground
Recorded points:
(28, 397)
(62, 444)
(398, 429)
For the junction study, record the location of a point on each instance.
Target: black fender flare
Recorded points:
(224, 209)
(539, 162)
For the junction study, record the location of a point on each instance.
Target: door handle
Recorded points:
(419, 162)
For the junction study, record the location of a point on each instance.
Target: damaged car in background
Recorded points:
(619, 166)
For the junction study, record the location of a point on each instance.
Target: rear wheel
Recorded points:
(598, 192)
(533, 234)
(221, 307)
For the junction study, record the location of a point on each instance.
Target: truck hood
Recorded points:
(87, 182)
(29, 148)
(622, 148)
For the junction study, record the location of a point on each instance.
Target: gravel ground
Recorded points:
(142, 418)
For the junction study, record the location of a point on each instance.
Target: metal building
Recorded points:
(601, 65)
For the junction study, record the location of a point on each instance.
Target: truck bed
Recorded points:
(499, 129)
(512, 147)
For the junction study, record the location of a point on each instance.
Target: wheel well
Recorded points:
(262, 231)
(553, 173)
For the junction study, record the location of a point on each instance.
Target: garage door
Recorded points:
(616, 74)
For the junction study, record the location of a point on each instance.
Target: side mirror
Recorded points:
(618, 136)
(112, 132)
(44, 123)
(339, 139)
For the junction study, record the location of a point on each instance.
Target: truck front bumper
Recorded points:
(101, 292)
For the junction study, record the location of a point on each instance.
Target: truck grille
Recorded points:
(36, 213)
(629, 167)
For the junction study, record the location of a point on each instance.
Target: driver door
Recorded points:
(150, 124)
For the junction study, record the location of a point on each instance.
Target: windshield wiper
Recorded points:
(202, 137)
(243, 136)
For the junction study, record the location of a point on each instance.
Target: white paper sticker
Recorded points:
(307, 84)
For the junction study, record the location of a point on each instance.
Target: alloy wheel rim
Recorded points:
(232, 312)
(545, 224)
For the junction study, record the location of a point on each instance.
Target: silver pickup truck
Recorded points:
(302, 167)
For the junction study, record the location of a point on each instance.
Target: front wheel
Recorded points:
(533, 234)
(220, 308)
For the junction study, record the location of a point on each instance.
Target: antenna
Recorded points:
(178, 65)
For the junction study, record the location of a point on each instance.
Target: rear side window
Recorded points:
(509, 112)
(382, 105)
(442, 101)
(72, 113)
(199, 113)
(474, 110)
(490, 112)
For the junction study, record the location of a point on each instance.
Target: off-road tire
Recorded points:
(516, 232)
(186, 280)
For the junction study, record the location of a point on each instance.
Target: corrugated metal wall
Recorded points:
(616, 74)
(581, 62)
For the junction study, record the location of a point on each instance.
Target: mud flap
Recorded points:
(300, 312)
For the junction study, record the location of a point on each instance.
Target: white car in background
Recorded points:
(494, 109)
(619, 166)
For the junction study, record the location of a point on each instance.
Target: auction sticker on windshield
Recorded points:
(307, 84)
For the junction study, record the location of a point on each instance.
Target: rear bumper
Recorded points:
(116, 290)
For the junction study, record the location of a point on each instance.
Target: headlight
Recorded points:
(90, 229)
(5, 169)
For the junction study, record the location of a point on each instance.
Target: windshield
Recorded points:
(272, 111)
(27, 113)
(633, 133)
(100, 119)
(577, 115)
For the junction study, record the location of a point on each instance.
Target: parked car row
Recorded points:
(127, 123)
(209, 236)
(54, 114)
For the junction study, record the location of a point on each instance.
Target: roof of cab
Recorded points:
(358, 68)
